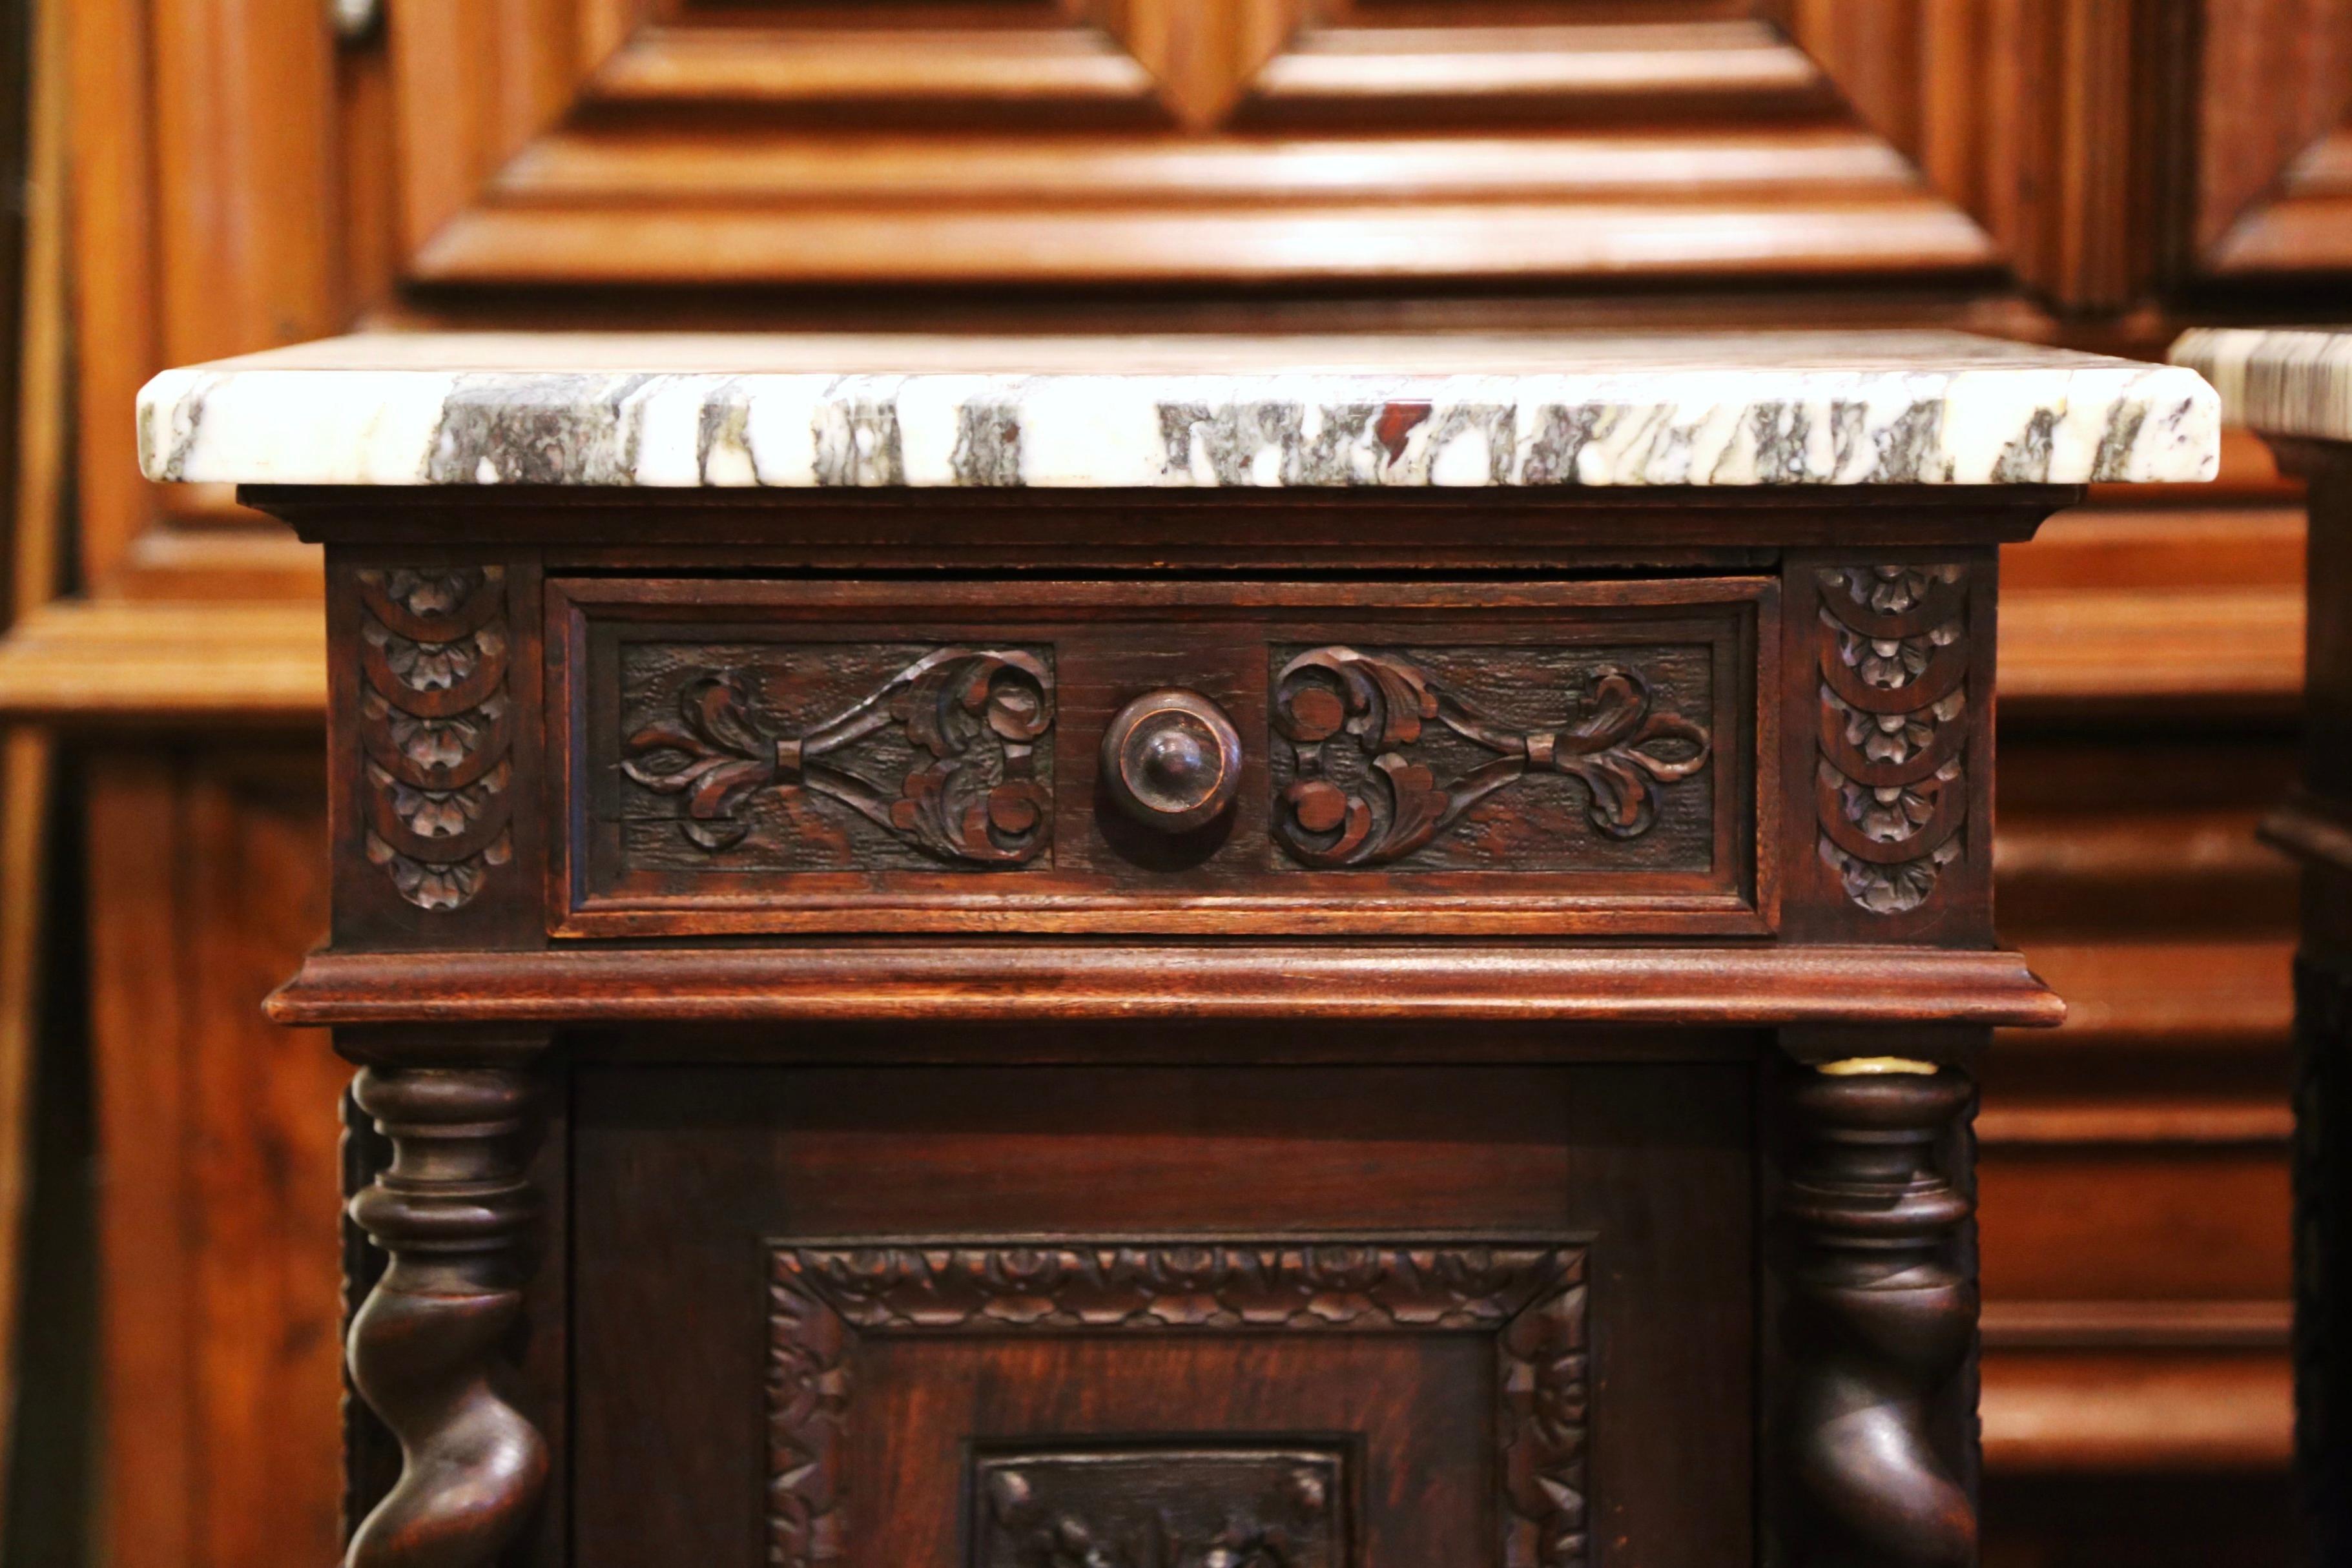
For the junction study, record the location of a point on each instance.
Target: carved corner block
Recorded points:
(1892, 655)
(435, 726)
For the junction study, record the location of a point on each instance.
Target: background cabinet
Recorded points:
(2095, 171)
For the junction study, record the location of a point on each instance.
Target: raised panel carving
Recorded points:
(1529, 1296)
(1217, 138)
(1446, 758)
(2273, 152)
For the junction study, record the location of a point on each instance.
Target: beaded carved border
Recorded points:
(1529, 1295)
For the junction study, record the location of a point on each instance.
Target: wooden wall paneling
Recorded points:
(2272, 167)
(115, 343)
(210, 213)
(217, 1158)
(710, 146)
(2021, 113)
(244, 140)
(37, 454)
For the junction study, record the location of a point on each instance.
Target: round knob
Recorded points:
(1173, 759)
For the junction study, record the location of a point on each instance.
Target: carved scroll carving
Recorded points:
(1880, 1320)
(451, 1210)
(1338, 812)
(1161, 1507)
(977, 714)
(433, 723)
(1891, 793)
(1531, 1296)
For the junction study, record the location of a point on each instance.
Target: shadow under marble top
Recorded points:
(804, 410)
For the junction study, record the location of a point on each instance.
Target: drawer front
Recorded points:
(756, 755)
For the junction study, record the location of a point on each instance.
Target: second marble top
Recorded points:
(2280, 381)
(1762, 409)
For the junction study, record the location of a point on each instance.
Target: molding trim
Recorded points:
(1529, 1295)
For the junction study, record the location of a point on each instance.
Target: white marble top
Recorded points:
(2279, 381)
(1758, 408)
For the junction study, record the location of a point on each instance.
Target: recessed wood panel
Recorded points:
(1443, 1277)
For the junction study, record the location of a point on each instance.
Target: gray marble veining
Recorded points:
(814, 411)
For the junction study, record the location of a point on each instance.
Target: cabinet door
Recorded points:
(987, 1316)
(1108, 140)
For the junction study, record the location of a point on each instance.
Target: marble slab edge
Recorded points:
(2278, 380)
(2100, 419)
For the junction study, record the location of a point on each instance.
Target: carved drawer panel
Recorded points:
(750, 756)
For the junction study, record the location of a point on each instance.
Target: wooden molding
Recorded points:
(2136, 1410)
(2273, 163)
(1545, 149)
(112, 661)
(1725, 986)
(1528, 1296)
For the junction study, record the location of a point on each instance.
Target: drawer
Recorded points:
(750, 755)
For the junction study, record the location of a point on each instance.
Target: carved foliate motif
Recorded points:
(1361, 791)
(1531, 1296)
(1891, 791)
(1160, 1507)
(972, 716)
(434, 720)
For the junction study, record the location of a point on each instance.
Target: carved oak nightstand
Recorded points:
(1344, 954)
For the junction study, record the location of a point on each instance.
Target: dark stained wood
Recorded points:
(1470, 979)
(942, 983)
(450, 1208)
(1883, 1319)
(764, 756)
(1073, 1257)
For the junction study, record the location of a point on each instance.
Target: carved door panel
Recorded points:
(650, 140)
(975, 1318)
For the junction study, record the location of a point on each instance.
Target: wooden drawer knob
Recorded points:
(1172, 760)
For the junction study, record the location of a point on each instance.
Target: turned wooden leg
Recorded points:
(1881, 1318)
(451, 1211)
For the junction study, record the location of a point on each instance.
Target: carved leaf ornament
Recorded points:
(434, 720)
(976, 714)
(1623, 748)
(1892, 789)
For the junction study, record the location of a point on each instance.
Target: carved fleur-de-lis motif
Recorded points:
(978, 715)
(1615, 739)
